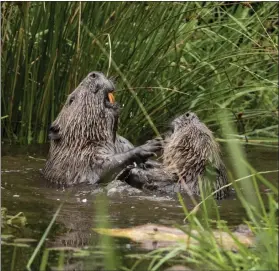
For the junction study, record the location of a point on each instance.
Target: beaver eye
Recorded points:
(71, 100)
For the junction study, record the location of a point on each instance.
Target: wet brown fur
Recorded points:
(190, 151)
(84, 144)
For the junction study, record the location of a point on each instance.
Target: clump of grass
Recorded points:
(208, 255)
(174, 57)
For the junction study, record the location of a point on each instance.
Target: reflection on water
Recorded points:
(24, 190)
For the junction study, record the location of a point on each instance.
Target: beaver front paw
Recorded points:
(148, 149)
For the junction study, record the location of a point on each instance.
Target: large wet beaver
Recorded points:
(190, 153)
(84, 145)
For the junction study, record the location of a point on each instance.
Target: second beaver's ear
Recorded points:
(54, 132)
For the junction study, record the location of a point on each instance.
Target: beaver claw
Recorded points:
(148, 149)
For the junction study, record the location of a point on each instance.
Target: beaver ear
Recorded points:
(54, 132)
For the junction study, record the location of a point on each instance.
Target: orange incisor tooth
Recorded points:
(111, 98)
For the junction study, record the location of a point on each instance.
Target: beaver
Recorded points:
(84, 145)
(190, 153)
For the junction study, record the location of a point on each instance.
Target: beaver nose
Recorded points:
(95, 75)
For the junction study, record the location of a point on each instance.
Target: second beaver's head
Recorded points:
(184, 120)
(89, 114)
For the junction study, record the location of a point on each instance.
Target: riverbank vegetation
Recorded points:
(167, 58)
(218, 59)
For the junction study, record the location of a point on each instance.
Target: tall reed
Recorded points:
(175, 57)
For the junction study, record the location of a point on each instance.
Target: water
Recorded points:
(24, 190)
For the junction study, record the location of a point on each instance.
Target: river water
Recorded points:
(24, 190)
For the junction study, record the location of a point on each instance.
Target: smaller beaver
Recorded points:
(190, 153)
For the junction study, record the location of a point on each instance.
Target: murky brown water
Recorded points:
(24, 190)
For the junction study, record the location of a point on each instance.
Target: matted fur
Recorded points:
(84, 144)
(190, 153)
(189, 150)
(83, 132)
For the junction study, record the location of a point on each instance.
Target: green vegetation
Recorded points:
(169, 58)
(217, 59)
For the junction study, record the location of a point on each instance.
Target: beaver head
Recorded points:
(184, 121)
(89, 113)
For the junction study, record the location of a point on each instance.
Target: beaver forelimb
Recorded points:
(114, 164)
